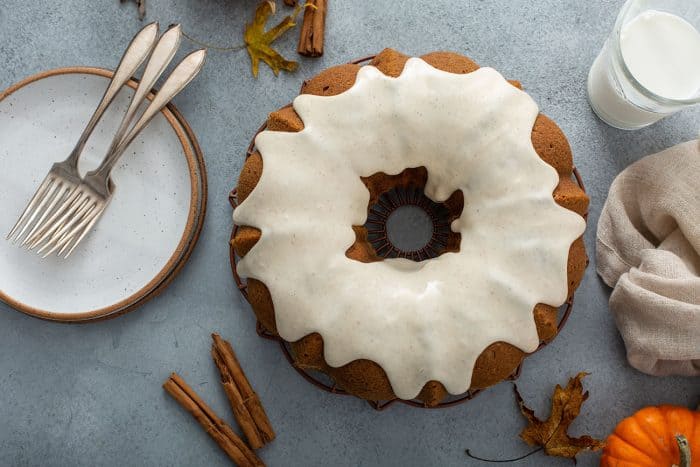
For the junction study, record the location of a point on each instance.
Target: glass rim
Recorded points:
(628, 74)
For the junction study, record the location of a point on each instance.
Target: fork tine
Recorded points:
(86, 206)
(66, 223)
(69, 196)
(89, 227)
(59, 217)
(39, 195)
(65, 239)
(85, 225)
(55, 198)
(65, 236)
(29, 220)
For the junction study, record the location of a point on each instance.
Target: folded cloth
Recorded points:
(648, 250)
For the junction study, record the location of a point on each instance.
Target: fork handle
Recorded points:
(139, 48)
(163, 53)
(181, 76)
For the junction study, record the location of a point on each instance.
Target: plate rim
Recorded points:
(193, 226)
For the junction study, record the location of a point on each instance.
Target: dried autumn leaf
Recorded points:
(551, 434)
(259, 42)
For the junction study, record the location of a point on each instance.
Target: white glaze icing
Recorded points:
(419, 321)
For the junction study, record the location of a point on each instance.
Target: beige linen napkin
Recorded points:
(648, 250)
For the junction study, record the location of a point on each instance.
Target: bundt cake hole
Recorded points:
(402, 222)
(409, 228)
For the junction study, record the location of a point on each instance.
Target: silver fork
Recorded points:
(77, 215)
(63, 177)
(159, 60)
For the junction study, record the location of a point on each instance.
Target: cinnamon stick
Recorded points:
(240, 411)
(230, 442)
(313, 29)
(250, 398)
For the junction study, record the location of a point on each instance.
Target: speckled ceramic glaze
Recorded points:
(149, 228)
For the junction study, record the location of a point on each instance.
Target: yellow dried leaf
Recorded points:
(259, 42)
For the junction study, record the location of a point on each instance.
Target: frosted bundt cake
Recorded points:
(386, 325)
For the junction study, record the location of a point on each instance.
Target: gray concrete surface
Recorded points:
(90, 395)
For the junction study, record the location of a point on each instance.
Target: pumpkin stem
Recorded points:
(684, 450)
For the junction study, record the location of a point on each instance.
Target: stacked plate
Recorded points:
(151, 226)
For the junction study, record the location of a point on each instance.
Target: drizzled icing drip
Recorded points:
(419, 321)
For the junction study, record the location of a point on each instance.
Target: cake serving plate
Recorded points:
(149, 229)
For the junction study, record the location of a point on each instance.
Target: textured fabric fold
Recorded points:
(648, 250)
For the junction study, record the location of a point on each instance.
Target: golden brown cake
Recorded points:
(362, 377)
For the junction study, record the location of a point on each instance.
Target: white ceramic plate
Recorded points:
(150, 226)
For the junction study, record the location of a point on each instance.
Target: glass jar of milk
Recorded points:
(650, 65)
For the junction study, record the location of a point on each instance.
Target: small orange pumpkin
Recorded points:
(661, 436)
